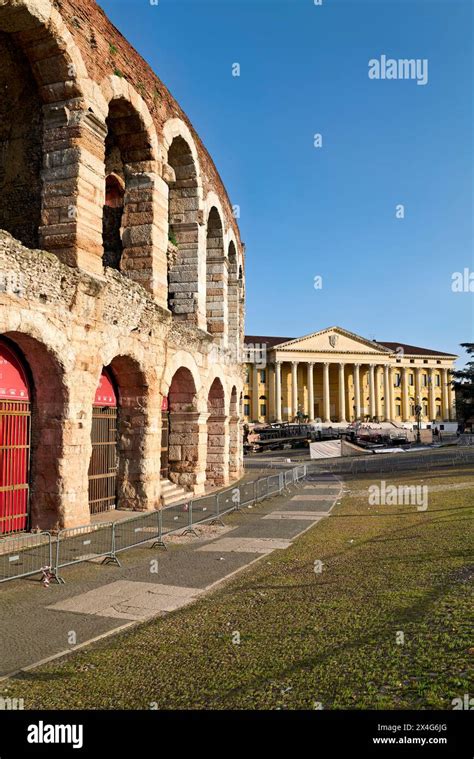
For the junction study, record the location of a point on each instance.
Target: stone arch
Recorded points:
(26, 82)
(233, 297)
(191, 236)
(132, 426)
(61, 139)
(184, 429)
(183, 231)
(128, 229)
(217, 463)
(182, 359)
(50, 396)
(216, 277)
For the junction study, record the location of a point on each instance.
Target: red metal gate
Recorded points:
(15, 434)
(104, 459)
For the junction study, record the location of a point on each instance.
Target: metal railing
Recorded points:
(24, 555)
(393, 462)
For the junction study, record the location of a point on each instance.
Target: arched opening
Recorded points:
(183, 451)
(121, 409)
(233, 303)
(127, 146)
(217, 460)
(183, 231)
(424, 407)
(112, 221)
(104, 457)
(398, 407)
(234, 436)
(21, 151)
(49, 451)
(216, 277)
(15, 440)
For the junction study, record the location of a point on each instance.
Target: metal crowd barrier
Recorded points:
(380, 463)
(77, 544)
(128, 533)
(24, 555)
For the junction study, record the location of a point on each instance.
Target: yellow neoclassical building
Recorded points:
(337, 376)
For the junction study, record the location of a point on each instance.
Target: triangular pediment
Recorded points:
(333, 339)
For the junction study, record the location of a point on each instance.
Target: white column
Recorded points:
(432, 395)
(278, 390)
(310, 391)
(386, 392)
(255, 408)
(445, 381)
(373, 411)
(294, 389)
(405, 398)
(342, 394)
(326, 398)
(357, 390)
(451, 399)
(418, 386)
(378, 394)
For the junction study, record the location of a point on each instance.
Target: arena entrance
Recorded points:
(104, 460)
(15, 436)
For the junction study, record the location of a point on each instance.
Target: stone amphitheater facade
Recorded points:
(120, 254)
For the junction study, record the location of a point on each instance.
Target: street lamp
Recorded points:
(418, 410)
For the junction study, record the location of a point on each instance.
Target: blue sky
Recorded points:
(330, 211)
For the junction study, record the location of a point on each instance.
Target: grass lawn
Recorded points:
(305, 637)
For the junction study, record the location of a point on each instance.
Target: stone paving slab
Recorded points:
(275, 530)
(246, 545)
(128, 599)
(312, 497)
(310, 507)
(302, 516)
(322, 486)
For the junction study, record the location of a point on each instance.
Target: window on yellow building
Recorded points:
(411, 379)
(246, 409)
(262, 374)
(263, 409)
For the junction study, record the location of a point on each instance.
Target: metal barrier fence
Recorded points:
(133, 532)
(78, 544)
(379, 463)
(25, 555)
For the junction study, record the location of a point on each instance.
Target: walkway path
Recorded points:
(38, 624)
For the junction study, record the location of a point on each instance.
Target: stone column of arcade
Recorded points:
(342, 393)
(278, 390)
(326, 394)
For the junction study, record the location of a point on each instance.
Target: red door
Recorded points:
(15, 421)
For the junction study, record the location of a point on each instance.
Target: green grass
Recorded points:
(305, 637)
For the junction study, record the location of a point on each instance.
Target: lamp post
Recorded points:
(418, 410)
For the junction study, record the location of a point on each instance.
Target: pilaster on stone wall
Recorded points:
(73, 186)
(145, 231)
(234, 448)
(184, 449)
(216, 298)
(184, 273)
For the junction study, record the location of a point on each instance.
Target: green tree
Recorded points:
(463, 384)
